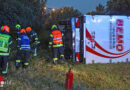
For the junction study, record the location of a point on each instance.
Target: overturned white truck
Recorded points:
(101, 39)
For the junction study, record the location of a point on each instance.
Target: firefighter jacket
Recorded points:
(24, 42)
(56, 38)
(34, 37)
(5, 44)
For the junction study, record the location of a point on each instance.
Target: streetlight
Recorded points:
(45, 8)
(53, 9)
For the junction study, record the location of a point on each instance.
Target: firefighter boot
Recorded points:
(17, 64)
(55, 60)
(25, 65)
(62, 59)
(4, 73)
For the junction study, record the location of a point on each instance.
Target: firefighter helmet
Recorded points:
(22, 31)
(28, 29)
(6, 28)
(18, 26)
(53, 26)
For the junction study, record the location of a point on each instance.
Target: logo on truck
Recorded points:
(119, 35)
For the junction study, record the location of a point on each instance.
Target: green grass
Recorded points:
(43, 75)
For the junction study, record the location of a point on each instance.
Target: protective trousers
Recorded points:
(56, 51)
(4, 64)
(34, 50)
(23, 56)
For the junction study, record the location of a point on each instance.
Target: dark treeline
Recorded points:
(113, 7)
(23, 12)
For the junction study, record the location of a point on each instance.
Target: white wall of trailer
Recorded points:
(106, 39)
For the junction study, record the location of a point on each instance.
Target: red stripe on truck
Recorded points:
(101, 55)
(89, 37)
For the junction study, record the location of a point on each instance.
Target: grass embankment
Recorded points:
(43, 75)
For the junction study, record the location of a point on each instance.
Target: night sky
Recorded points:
(83, 6)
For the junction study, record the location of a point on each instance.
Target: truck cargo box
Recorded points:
(106, 39)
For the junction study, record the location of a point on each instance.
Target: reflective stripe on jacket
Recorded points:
(25, 42)
(4, 42)
(57, 37)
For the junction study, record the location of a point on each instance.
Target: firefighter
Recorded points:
(56, 41)
(34, 40)
(24, 49)
(18, 28)
(5, 46)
